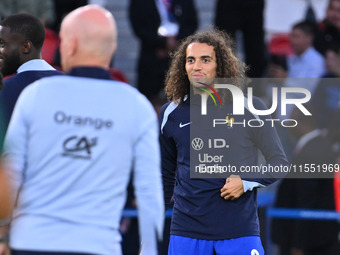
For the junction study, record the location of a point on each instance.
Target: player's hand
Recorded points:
(4, 249)
(233, 188)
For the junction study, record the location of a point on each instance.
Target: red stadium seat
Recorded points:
(117, 74)
(279, 44)
(337, 190)
(50, 46)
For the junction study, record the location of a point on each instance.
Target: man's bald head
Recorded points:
(88, 38)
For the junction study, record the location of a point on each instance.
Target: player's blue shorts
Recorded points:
(249, 245)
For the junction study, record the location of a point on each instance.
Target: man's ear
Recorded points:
(72, 47)
(26, 47)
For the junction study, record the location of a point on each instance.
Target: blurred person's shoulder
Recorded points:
(257, 102)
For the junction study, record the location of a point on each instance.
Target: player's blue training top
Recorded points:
(199, 210)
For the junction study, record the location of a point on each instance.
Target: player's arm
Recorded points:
(268, 142)
(147, 179)
(14, 157)
(16, 140)
(5, 211)
(5, 194)
(169, 160)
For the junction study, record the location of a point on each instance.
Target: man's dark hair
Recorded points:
(307, 27)
(279, 60)
(28, 26)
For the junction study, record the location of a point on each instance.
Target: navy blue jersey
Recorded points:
(199, 210)
(15, 85)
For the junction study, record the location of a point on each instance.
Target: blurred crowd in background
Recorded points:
(311, 49)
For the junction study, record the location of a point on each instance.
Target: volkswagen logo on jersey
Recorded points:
(254, 252)
(197, 143)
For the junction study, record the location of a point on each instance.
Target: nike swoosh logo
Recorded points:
(183, 125)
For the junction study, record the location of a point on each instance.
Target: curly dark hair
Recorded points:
(177, 84)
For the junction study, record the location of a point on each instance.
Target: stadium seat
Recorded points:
(279, 44)
(50, 46)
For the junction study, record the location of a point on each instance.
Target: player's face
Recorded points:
(333, 13)
(10, 44)
(200, 61)
(300, 41)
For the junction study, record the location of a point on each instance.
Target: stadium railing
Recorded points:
(265, 200)
(297, 214)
